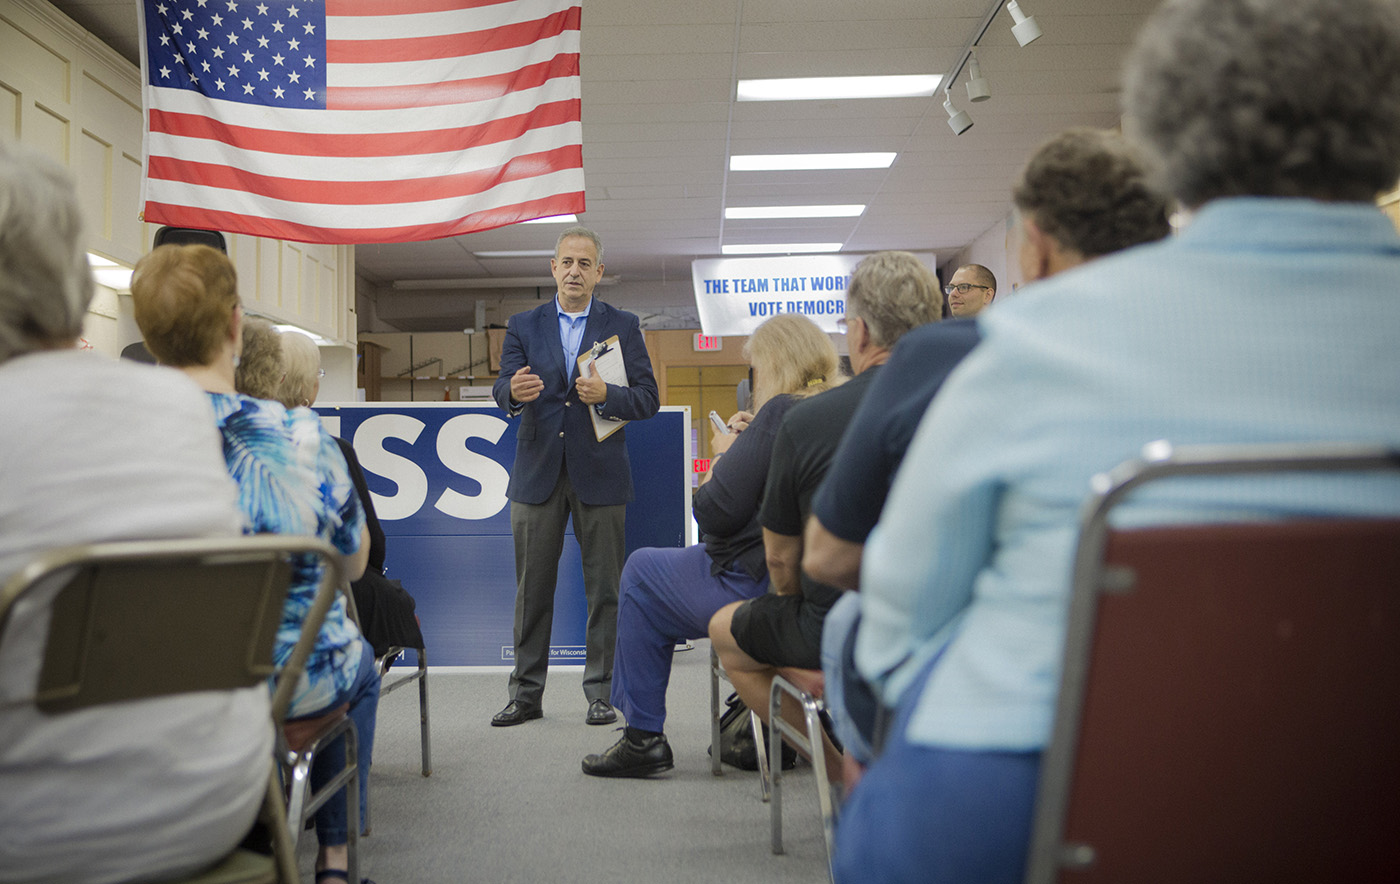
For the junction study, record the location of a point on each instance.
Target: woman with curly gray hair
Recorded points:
(1270, 318)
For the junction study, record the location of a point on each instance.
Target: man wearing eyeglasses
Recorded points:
(971, 289)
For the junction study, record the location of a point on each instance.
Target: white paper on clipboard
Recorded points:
(612, 370)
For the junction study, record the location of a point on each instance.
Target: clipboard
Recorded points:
(612, 370)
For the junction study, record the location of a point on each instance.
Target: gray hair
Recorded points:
(1263, 98)
(586, 233)
(261, 365)
(893, 292)
(1090, 191)
(301, 359)
(45, 281)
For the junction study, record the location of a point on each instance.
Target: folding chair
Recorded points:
(1230, 703)
(299, 742)
(717, 673)
(382, 665)
(806, 686)
(420, 675)
(219, 603)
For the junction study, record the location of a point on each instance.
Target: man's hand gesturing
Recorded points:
(525, 387)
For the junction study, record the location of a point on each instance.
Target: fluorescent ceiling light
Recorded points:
(743, 212)
(775, 162)
(811, 88)
(553, 219)
(109, 273)
(781, 248)
(520, 253)
(286, 327)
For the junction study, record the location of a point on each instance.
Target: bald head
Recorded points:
(970, 290)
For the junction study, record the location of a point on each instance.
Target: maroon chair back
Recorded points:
(1230, 710)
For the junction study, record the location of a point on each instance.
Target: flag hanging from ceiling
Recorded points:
(360, 121)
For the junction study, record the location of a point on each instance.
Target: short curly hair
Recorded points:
(45, 282)
(1262, 98)
(301, 361)
(1091, 192)
(260, 367)
(185, 297)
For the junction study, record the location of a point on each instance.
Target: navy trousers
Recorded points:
(668, 595)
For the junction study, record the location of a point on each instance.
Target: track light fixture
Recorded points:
(978, 89)
(1026, 31)
(958, 120)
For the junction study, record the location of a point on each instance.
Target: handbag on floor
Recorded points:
(736, 743)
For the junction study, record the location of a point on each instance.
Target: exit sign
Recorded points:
(701, 464)
(706, 343)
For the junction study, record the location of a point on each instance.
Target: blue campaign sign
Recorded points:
(437, 473)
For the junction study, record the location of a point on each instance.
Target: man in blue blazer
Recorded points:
(561, 469)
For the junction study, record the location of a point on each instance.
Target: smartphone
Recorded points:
(720, 425)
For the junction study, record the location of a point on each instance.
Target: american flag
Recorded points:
(361, 121)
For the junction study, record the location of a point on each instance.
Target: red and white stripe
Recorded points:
(443, 117)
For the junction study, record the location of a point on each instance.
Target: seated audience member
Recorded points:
(889, 294)
(1083, 194)
(970, 291)
(385, 607)
(291, 480)
(1277, 125)
(301, 383)
(669, 595)
(149, 789)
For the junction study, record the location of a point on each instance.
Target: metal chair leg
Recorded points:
(715, 673)
(302, 805)
(778, 728)
(421, 676)
(423, 710)
(765, 778)
(810, 743)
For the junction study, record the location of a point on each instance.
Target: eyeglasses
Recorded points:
(841, 326)
(320, 372)
(963, 288)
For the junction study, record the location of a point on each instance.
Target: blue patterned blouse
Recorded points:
(292, 479)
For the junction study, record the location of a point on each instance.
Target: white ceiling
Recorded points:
(660, 123)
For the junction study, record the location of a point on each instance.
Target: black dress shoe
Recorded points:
(516, 713)
(599, 712)
(628, 759)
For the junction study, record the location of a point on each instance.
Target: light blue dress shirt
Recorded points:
(571, 327)
(1267, 320)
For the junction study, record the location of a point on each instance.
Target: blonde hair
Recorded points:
(790, 355)
(260, 367)
(302, 361)
(185, 297)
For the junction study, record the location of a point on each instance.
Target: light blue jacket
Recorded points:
(1267, 320)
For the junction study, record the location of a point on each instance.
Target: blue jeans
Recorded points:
(667, 595)
(363, 696)
(937, 816)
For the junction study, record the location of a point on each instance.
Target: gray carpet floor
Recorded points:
(512, 805)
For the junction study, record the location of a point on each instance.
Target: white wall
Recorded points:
(76, 100)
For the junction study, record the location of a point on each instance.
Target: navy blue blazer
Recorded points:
(557, 426)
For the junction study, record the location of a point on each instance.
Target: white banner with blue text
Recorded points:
(735, 295)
